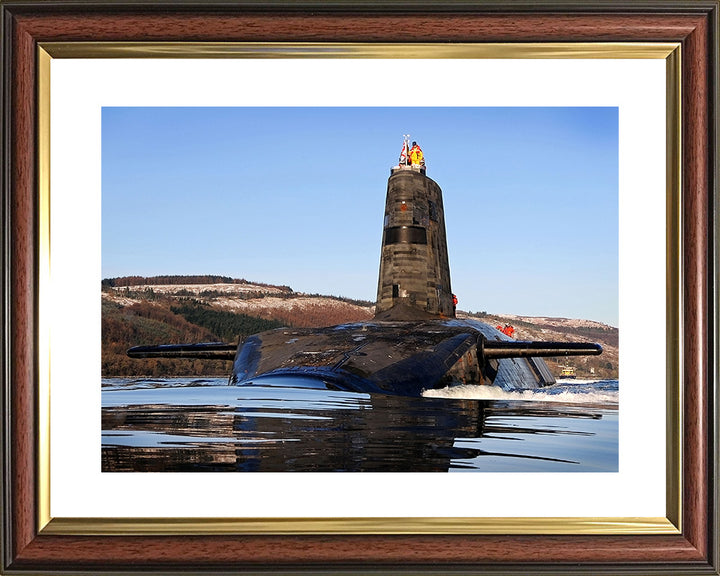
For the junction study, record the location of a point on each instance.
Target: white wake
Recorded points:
(552, 394)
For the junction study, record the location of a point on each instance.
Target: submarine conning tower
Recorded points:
(414, 274)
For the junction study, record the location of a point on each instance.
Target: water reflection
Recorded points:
(271, 429)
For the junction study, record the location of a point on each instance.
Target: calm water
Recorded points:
(292, 425)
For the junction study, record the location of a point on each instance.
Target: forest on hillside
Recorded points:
(157, 322)
(175, 280)
(134, 314)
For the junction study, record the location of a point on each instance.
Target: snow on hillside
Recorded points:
(251, 299)
(542, 323)
(267, 303)
(559, 322)
(262, 299)
(200, 288)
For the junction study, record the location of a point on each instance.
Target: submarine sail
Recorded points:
(414, 268)
(414, 342)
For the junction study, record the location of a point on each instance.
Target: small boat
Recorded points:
(567, 372)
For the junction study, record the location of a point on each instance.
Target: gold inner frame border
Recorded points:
(671, 524)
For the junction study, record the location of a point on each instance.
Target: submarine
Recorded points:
(415, 342)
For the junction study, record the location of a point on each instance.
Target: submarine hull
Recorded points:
(402, 358)
(386, 356)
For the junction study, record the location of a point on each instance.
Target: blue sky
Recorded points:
(296, 196)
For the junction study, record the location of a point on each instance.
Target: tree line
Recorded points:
(147, 323)
(178, 321)
(174, 280)
(150, 323)
(228, 326)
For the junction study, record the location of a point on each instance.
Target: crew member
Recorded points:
(509, 330)
(455, 301)
(416, 155)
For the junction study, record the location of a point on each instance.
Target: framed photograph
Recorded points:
(78, 76)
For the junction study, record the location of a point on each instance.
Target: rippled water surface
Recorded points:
(292, 424)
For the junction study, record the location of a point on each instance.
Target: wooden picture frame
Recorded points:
(31, 545)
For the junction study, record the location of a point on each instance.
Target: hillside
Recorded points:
(565, 330)
(181, 309)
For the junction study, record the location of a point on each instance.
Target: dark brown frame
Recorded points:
(694, 24)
